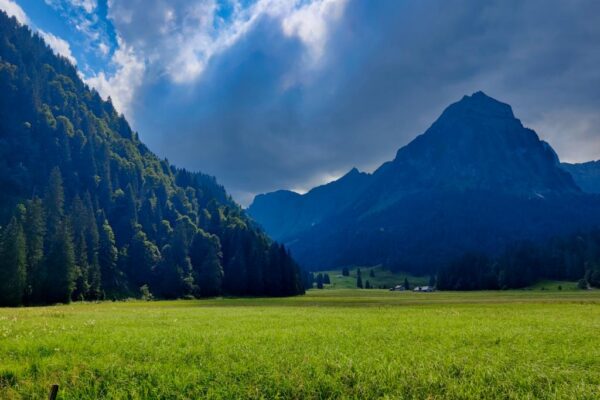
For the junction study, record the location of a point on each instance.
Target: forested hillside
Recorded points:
(88, 212)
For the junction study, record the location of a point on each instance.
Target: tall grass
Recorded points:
(327, 344)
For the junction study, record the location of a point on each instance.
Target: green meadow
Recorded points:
(357, 344)
(383, 278)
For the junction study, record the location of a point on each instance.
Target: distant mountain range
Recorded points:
(476, 180)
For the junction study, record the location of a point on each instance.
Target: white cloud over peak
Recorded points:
(14, 10)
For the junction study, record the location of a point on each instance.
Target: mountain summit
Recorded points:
(476, 180)
(478, 144)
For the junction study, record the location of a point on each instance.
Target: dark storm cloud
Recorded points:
(263, 116)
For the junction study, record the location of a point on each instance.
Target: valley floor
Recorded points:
(327, 344)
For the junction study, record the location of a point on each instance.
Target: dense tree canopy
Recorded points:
(88, 212)
(571, 258)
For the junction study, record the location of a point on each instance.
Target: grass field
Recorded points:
(327, 344)
(383, 278)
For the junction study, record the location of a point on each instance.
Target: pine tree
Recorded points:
(144, 256)
(367, 284)
(92, 239)
(406, 284)
(345, 271)
(326, 279)
(13, 263)
(60, 266)
(206, 256)
(54, 202)
(359, 283)
(35, 231)
(78, 218)
(372, 273)
(169, 275)
(60, 255)
(107, 259)
(319, 281)
(81, 268)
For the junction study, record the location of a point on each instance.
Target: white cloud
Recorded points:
(103, 48)
(311, 24)
(178, 39)
(121, 86)
(14, 10)
(88, 5)
(60, 46)
(181, 37)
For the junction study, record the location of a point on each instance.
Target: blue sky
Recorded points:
(271, 94)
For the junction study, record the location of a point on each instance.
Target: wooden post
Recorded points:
(53, 392)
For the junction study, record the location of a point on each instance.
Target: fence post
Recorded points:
(53, 392)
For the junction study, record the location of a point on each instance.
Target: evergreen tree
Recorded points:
(60, 266)
(107, 259)
(345, 271)
(92, 240)
(206, 256)
(308, 279)
(319, 281)
(81, 268)
(406, 284)
(326, 279)
(54, 202)
(169, 275)
(13, 263)
(35, 231)
(144, 256)
(367, 284)
(372, 273)
(359, 283)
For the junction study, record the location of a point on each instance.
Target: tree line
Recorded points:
(574, 257)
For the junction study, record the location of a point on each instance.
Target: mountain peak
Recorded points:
(478, 144)
(482, 105)
(353, 172)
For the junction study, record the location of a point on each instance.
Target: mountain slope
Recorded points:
(476, 180)
(284, 213)
(586, 175)
(102, 215)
